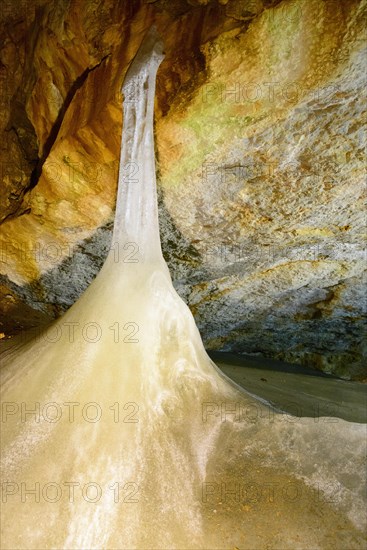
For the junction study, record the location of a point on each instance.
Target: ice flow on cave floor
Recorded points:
(137, 440)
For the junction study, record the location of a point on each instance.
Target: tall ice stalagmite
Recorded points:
(119, 432)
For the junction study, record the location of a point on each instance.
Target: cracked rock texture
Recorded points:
(260, 153)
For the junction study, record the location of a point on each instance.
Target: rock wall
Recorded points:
(260, 152)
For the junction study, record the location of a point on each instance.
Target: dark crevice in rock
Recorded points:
(19, 124)
(25, 145)
(58, 122)
(18, 212)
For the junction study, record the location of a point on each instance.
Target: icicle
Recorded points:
(137, 211)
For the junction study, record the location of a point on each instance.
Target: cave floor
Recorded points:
(296, 390)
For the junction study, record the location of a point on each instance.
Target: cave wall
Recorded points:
(260, 154)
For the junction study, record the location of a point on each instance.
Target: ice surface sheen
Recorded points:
(138, 441)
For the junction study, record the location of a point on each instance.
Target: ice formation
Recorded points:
(136, 439)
